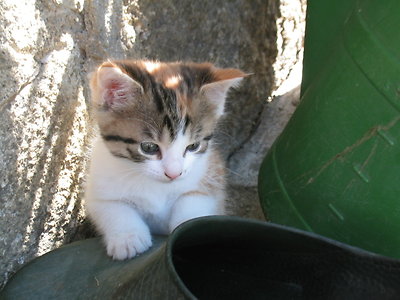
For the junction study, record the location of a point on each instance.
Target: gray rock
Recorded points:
(47, 48)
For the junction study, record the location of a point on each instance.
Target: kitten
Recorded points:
(154, 165)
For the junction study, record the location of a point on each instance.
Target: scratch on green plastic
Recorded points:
(360, 172)
(385, 135)
(336, 212)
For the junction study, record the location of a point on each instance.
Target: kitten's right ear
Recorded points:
(111, 88)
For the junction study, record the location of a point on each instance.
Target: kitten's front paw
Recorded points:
(127, 245)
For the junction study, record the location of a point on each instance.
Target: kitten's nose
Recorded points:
(172, 175)
(173, 167)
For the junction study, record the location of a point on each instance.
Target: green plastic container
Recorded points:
(335, 169)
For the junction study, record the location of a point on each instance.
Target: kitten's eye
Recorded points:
(193, 147)
(149, 148)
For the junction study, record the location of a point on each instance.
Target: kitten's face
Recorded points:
(160, 116)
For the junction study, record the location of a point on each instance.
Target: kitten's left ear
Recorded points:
(216, 91)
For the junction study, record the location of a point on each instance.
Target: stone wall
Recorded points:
(48, 47)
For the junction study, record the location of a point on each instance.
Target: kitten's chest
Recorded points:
(155, 206)
(156, 200)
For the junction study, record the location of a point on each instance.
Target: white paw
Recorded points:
(127, 245)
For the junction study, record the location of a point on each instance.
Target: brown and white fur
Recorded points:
(154, 165)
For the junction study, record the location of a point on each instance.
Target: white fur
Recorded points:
(127, 200)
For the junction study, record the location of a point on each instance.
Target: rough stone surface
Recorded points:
(43, 121)
(48, 47)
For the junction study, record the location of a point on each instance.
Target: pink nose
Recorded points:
(172, 175)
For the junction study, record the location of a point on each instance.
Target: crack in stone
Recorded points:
(13, 96)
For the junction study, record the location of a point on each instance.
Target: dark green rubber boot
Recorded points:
(213, 258)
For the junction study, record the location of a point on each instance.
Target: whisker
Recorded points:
(146, 120)
(225, 133)
(234, 173)
(127, 174)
